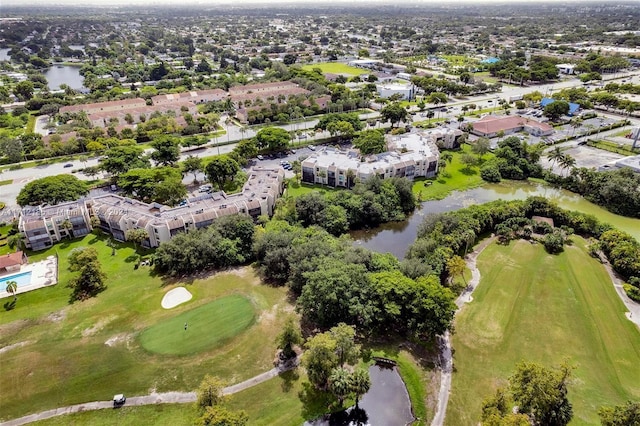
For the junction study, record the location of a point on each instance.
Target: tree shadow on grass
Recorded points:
(10, 305)
(315, 403)
(468, 171)
(132, 258)
(288, 379)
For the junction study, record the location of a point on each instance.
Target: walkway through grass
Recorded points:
(537, 307)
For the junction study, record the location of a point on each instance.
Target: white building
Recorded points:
(566, 68)
(410, 155)
(387, 90)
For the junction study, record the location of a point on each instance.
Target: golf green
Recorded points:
(200, 329)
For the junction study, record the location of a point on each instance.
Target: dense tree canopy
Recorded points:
(52, 190)
(160, 184)
(121, 159)
(272, 139)
(220, 169)
(370, 142)
(90, 280)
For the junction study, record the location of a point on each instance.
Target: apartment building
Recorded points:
(44, 226)
(410, 155)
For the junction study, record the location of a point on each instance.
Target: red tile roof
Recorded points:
(11, 259)
(491, 124)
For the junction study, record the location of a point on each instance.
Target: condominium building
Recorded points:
(410, 155)
(43, 226)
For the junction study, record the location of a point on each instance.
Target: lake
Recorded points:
(396, 237)
(64, 74)
(386, 404)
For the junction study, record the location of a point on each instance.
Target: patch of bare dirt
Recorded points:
(15, 346)
(57, 316)
(97, 326)
(119, 339)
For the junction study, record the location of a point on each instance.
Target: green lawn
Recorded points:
(456, 177)
(537, 307)
(295, 189)
(207, 326)
(90, 350)
(6, 182)
(335, 68)
(160, 415)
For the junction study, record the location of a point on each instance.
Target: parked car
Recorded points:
(312, 147)
(205, 188)
(68, 165)
(260, 157)
(119, 400)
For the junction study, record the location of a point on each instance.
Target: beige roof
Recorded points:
(491, 124)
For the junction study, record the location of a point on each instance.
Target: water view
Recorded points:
(64, 74)
(4, 55)
(386, 404)
(396, 237)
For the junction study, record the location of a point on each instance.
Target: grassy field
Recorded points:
(206, 327)
(537, 307)
(336, 68)
(456, 177)
(90, 350)
(159, 415)
(295, 189)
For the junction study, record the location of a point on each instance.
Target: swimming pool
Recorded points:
(21, 280)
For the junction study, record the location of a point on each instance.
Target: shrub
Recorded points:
(490, 173)
(632, 292)
(553, 243)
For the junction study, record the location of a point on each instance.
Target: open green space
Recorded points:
(538, 307)
(160, 415)
(456, 177)
(6, 182)
(207, 326)
(335, 68)
(296, 189)
(612, 147)
(89, 351)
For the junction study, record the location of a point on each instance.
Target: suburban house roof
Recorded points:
(491, 124)
(12, 259)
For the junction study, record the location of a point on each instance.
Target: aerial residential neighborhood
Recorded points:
(335, 213)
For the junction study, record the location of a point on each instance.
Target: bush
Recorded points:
(632, 292)
(490, 173)
(553, 243)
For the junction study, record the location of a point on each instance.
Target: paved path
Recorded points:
(152, 399)
(446, 358)
(633, 308)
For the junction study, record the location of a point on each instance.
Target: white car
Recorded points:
(119, 400)
(312, 147)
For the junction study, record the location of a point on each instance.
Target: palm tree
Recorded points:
(67, 226)
(12, 287)
(470, 237)
(360, 383)
(567, 162)
(555, 155)
(575, 123)
(340, 383)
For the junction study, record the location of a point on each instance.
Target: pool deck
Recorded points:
(43, 274)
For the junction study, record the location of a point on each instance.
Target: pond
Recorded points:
(396, 237)
(386, 404)
(64, 74)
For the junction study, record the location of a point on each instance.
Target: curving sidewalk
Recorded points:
(152, 399)
(446, 358)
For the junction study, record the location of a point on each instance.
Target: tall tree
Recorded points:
(52, 190)
(121, 159)
(360, 383)
(320, 359)
(340, 383)
(272, 139)
(288, 338)
(192, 164)
(11, 288)
(166, 151)
(209, 393)
(394, 113)
(222, 416)
(91, 279)
(370, 142)
(136, 236)
(481, 147)
(222, 168)
(346, 348)
(621, 415)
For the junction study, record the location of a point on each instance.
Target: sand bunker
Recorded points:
(175, 297)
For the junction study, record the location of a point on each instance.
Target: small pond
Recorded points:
(396, 237)
(386, 404)
(64, 74)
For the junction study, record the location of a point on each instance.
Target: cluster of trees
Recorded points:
(52, 190)
(514, 159)
(442, 237)
(540, 69)
(160, 184)
(623, 252)
(466, 85)
(367, 205)
(615, 190)
(211, 405)
(91, 280)
(227, 242)
(539, 393)
(337, 282)
(329, 360)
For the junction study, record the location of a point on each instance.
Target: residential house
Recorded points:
(490, 125)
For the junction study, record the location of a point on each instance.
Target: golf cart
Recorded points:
(119, 400)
